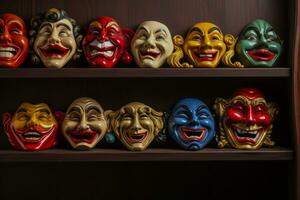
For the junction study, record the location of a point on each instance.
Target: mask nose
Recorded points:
(33, 122)
(150, 42)
(5, 36)
(136, 124)
(83, 125)
(206, 44)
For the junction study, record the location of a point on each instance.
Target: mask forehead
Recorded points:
(61, 23)
(259, 26)
(204, 28)
(31, 108)
(6, 19)
(105, 22)
(154, 27)
(189, 104)
(249, 93)
(84, 104)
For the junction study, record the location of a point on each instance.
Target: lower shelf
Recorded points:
(207, 154)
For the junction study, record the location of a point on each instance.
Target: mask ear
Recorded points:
(128, 34)
(227, 59)
(6, 120)
(219, 106)
(59, 116)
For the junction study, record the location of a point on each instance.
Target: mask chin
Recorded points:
(194, 146)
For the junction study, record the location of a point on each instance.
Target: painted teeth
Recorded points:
(31, 134)
(101, 45)
(6, 54)
(206, 55)
(106, 53)
(7, 49)
(246, 132)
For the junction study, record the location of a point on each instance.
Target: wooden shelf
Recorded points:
(207, 154)
(142, 72)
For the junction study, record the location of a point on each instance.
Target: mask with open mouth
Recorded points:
(106, 43)
(32, 127)
(245, 120)
(152, 44)
(136, 125)
(84, 124)
(13, 41)
(258, 45)
(191, 124)
(55, 38)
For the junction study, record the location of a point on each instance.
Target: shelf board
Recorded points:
(153, 154)
(143, 72)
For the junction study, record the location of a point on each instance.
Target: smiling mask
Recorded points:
(152, 44)
(191, 124)
(84, 124)
(136, 125)
(106, 43)
(245, 120)
(258, 45)
(13, 41)
(32, 127)
(55, 38)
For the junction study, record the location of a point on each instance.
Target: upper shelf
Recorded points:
(142, 72)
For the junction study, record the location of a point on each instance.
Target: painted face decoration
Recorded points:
(258, 45)
(191, 124)
(106, 43)
(54, 37)
(32, 127)
(85, 123)
(204, 45)
(152, 44)
(245, 120)
(13, 41)
(136, 125)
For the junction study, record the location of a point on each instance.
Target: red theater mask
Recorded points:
(32, 127)
(13, 41)
(105, 43)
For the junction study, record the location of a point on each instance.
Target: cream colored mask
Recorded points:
(84, 124)
(55, 42)
(136, 125)
(152, 44)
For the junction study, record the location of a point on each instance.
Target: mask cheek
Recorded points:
(275, 47)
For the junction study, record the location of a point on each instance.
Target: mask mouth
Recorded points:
(247, 135)
(136, 137)
(87, 136)
(149, 54)
(261, 55)
(8, 51)
(205, 55)
(192, 134)
(104, 49)
(31, 137)
(54, 51)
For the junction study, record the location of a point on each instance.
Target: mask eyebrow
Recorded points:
(143, 28)
(90, 108)
(183, 107)
(74, 109)
(22, 110)
(214, 29)
(200, 108)
(46, 24)
(44, 110)
(64, 25)
(95, 24)
(196, 29)
(251, 28)
(161, 30)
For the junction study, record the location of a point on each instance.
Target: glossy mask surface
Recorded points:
(104, 43)
(13, 41)
(204, 45)
(136, 125)
(84, 124)
(191, 124)
(33, 127)
(246, 119)
(55, 43)
(258, 45)
(152, 44)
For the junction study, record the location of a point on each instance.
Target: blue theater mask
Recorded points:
(191, 124)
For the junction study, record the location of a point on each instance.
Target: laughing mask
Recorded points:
(152, 44)
(245, 120)
(55, 38)
(106, 43)
(258, 45)
(191, 124)
(32, 127)
(136, 125)
(204, 46)
(13, 41)
(84, 124)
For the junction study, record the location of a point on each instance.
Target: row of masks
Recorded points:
(245, 122)
(55, 39)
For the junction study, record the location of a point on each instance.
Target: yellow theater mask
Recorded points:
(204, 46)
